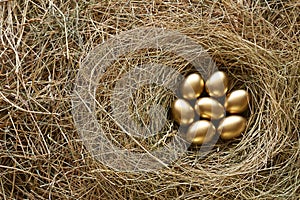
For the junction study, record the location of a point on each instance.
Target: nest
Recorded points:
(42, 46)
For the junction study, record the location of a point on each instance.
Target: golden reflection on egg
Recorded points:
(192, 86)
(237, 101)
(209, 108)
(217, 84)
(183, 112)
(200, 132)
(231, 127)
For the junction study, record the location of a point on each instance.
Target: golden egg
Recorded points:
(209, 108)
(192, 86)
(217, 84)
(237, 101)
(231, 127)
(200, 132)
(183, 112)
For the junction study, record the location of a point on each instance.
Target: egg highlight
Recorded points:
(192, 86)
(217, 84)
(183, 113)
(237, 101)
(209, 108)
(201, 132)
(231, 127)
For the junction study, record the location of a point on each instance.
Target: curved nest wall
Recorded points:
(42, 45)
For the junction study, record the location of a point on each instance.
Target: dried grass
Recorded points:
(42, 43)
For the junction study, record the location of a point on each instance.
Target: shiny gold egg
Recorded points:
(231, 127)
(192, 86)
(201, 132)
(237, 101)
(183, 112)
(217, 84)
(209, 108)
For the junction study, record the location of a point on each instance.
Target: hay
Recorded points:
(43, 42)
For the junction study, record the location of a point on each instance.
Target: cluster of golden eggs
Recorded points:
(198, 118)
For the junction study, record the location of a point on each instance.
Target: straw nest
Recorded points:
(42, 45)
